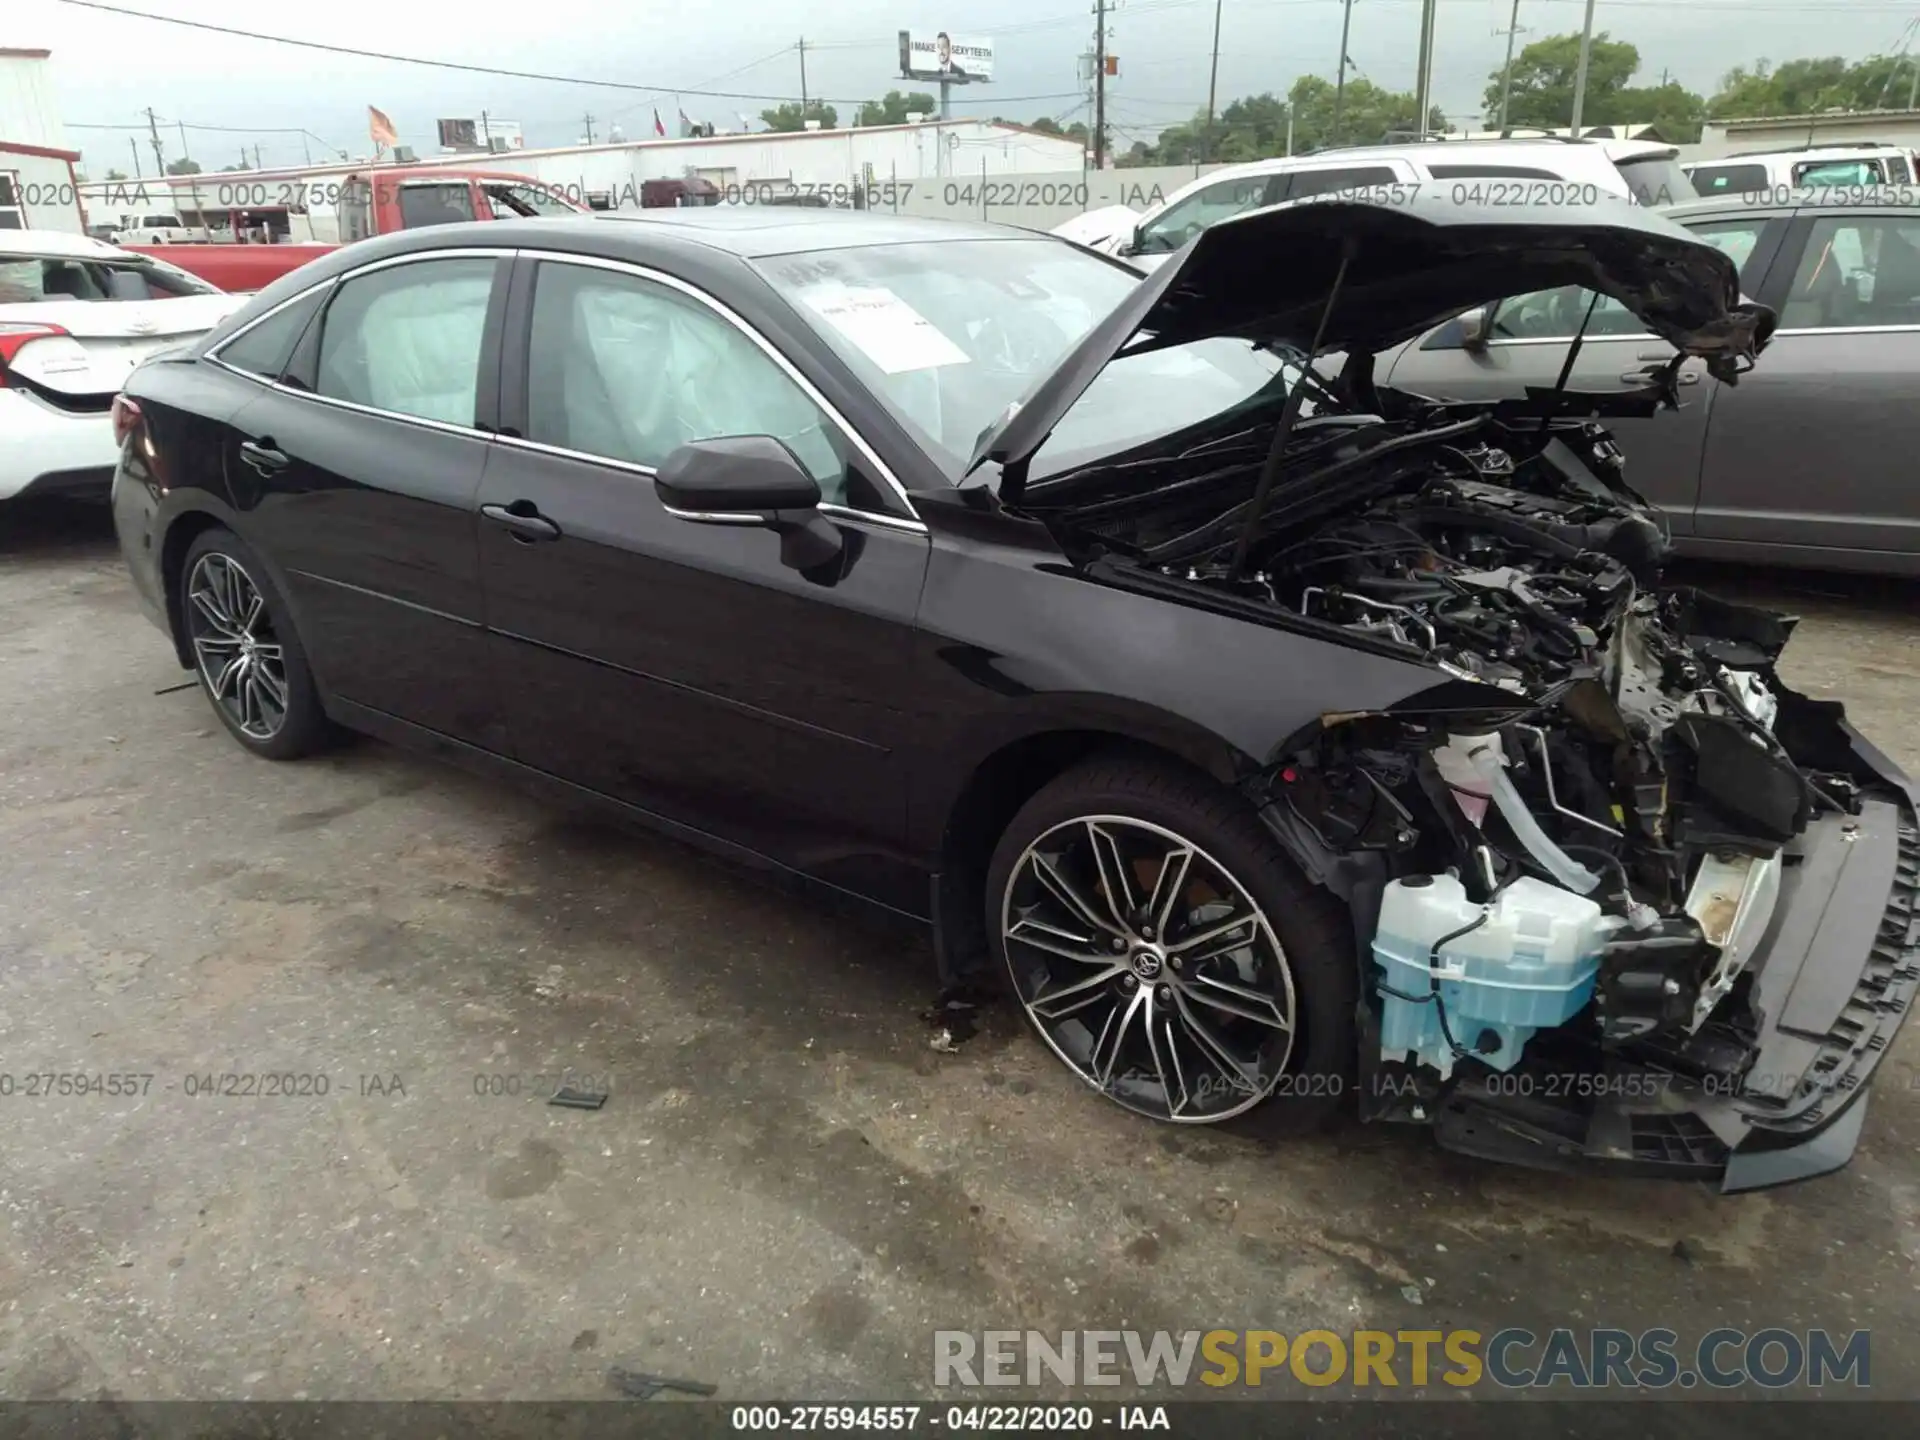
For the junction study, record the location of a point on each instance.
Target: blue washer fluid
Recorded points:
(1530, 967)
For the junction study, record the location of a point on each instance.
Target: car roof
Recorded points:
(57, 245)
(1430, 151)
(1841, 197)
(750, 231)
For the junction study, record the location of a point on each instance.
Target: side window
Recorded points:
(13, 214)
(1472, 170)
(1712, 180)
(1556, 314)
(1862, 270)
(264, 349)
(407, 338)
(1187, 218)
(1302, 183)
(632, 370)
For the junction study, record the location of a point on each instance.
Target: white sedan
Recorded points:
(76, 315)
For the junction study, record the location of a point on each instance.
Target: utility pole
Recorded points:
(1423, 85)
(1099, 84)
(1213, 83)
(193, 181)
(1580, 75)
(1340, 79)
(803, 81)
(1506, 74)
(159, 160)
(134, 145)
(256, 158)
(588, 117)
(486, 132)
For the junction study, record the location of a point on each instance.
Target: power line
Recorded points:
(483, 69)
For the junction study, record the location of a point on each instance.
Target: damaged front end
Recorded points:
(1657, 911)
(1619, 894)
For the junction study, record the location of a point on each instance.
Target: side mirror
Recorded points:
(1476, 325)
(750, 480)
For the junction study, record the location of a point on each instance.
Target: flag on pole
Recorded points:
(380, 129)
(658, 127)
(686, 125)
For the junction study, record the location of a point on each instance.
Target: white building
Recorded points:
(890, 165)
(1758, 134)
(38, 187)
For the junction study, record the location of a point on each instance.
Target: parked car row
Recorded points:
(1277, 740)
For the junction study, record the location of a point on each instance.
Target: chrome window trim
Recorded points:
(1848, 330)
(461, 252)
(712, 517)
(766, 347)
(870, 517)
(1641, 335)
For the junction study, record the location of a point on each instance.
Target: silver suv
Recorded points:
(1808, 460)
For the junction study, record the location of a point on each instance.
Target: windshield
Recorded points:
(948, 334)
(525, 200)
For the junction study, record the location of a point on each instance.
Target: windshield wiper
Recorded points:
(1289, 417)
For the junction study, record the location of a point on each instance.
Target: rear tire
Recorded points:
(1162, 1002)
(247, 655)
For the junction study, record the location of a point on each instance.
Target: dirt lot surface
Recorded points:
(789, 1189)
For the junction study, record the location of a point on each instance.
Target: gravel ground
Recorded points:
(789, 1190)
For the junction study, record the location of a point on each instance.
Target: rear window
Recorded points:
(1656, 180)
(1712, 180)
(435, 205)
(25, 281)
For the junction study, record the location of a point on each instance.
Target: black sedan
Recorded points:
(1278, 739)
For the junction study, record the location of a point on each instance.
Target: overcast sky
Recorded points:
(109, 68)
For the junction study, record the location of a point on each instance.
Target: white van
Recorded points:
(1810, 167)
(1479, 171)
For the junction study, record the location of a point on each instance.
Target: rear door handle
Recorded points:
(1641, 377)
(524, 520)
(264, 459)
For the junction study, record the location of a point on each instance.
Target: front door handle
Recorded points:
(262, 456)
(524, 520)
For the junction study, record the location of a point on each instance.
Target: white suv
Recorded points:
(76, 315)
(1645, 170)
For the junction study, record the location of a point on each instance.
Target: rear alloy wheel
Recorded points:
(1166, 951)
(248, 659)
(239, 654)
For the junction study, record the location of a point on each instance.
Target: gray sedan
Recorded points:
(1809, 460)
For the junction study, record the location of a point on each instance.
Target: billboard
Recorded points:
(485, 133)
(936, 55)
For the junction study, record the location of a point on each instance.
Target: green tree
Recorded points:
(1543, 80)
(1804, 87)
(183, 166)
(1543, 76)
(894, 108)
(791, 117)
(116, 174)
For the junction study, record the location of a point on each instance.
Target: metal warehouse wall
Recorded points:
(826, 159)
(46, 185)
(29, 110)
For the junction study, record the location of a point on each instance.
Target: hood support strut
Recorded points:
(1289, 417)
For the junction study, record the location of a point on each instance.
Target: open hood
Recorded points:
(1266, 276)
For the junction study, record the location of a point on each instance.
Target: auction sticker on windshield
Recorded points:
(887, 330)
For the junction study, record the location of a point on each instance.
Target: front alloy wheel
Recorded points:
(1148, 968)
(239, 654)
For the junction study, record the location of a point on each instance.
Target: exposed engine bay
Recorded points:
(1570, 856)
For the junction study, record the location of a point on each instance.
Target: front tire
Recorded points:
(1166, 950)
(247, 655)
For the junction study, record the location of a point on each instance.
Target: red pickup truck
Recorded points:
(374, 202)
